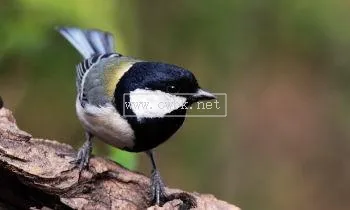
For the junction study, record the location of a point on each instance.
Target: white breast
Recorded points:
(107, 124)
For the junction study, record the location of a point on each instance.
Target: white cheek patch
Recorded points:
(153, 103)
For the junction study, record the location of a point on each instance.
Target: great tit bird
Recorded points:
(108, 82)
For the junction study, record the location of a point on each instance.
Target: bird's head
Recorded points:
(158, 89)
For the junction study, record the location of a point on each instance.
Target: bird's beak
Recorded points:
(202, 95)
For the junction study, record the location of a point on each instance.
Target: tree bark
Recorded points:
(37, 174)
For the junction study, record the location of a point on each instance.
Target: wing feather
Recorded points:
(82, 70)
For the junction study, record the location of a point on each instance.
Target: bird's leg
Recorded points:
(83, 156)
(157, 185)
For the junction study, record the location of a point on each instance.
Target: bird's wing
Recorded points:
(85, 66)
(96, 84)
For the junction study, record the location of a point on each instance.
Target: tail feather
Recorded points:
(89, 42)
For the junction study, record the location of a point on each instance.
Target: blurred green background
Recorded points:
(285, 66)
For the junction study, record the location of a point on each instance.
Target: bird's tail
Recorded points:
(89, 42)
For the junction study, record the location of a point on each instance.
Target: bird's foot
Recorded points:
(157, 189)
(83, 156)
(159, 197)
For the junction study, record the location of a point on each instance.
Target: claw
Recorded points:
(158, 194)
(82, 159)
(83, 156)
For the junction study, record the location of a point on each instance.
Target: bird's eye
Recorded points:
(172, 89)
